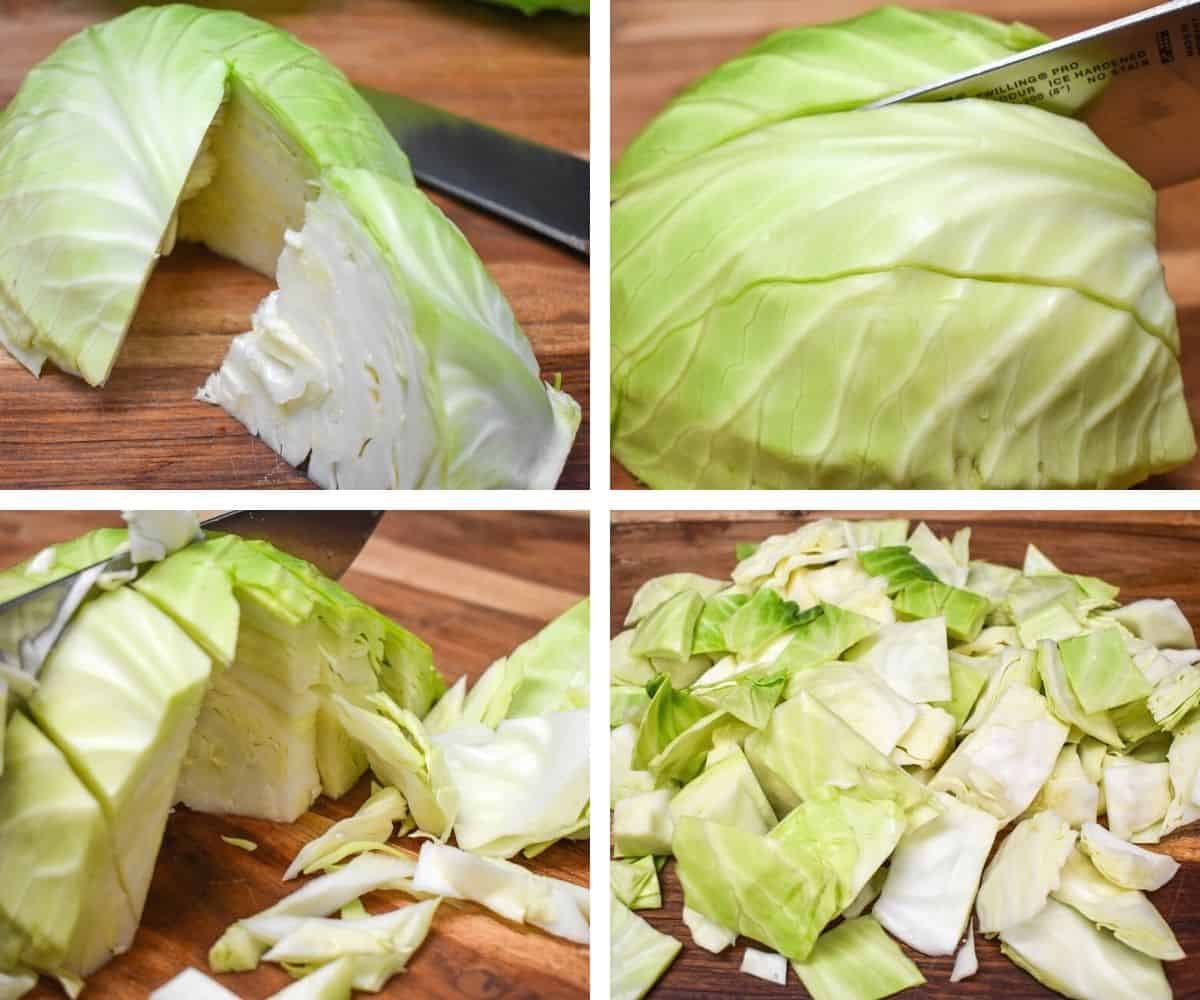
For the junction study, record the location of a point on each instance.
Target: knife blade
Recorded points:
(1135, 81)
(542, 189)
(31, 623)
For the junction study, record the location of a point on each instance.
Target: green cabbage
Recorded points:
(776, 890)
(1027, 868)
(1126, 912)
(1067, 953)
(201, 681)
(635, 883)
(857, 961)
(388, 357)
(554, 905)
(931, 884)
(897, 758)
(638, 954)
(807, 295)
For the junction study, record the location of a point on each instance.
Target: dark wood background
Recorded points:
(1147, 554)
(661, 45)
(143, 429)
(472, 585)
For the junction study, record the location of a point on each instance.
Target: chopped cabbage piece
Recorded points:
(1063, 701)
(966, 964)
(928, 740)
(778, 891)
(624, 779)
(1001, 766)
(1069, 792)
(635, 883)
(766, 965)
(643, 824)
(660, 589)
(806, 750)
(963, 611)
(638, 954)
(1136, 795)
(1174, 697)
(192, 984)
(1100, 671)
(1027, 868)
(1125, 864)
(241, 842)
(857, 961)
(667, 631)
(1126, 912)
(526, 783)
(931, 884)
(1065, 952)
(764, 617)
(911, 657)
(726, 792)
(707, 934)
(861, 699)
(1158, 621)
(853, 836)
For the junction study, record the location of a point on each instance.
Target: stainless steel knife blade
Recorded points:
(31, 623)
(1135, 81)
(542, 189)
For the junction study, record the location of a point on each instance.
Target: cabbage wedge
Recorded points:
(388, 358)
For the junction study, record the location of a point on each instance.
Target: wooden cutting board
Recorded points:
(143, 429)
(1146, 554)
(474, 586)
(659, 46)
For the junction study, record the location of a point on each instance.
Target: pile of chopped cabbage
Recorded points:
(953, 295)
(230, 677)
(388, 358)
(866, 736)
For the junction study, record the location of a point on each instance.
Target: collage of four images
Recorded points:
(831, 527)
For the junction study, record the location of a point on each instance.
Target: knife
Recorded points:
(1135, 81)
(542, 189)
(32, 623)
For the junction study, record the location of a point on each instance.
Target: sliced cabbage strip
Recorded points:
(553, 905)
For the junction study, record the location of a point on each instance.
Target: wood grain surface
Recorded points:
(1148, 554)
(143, 429)
(659, 46)
(474, 586)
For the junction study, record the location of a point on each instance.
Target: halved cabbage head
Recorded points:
(962, 294)
(388, 358)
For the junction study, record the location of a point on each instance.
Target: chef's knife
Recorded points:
(542, 189)
(1137, 79)
(31, 624)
